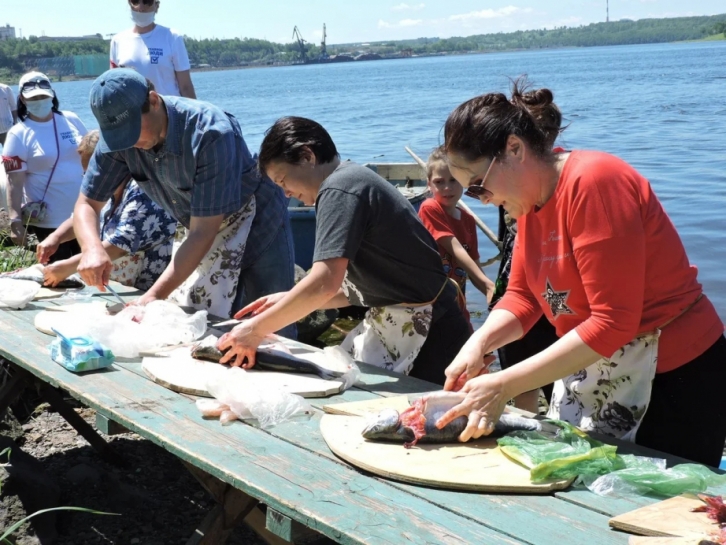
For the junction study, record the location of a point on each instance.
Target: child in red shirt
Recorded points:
(453, 229)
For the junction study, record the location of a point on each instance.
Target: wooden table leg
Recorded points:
(232, 507)
(11, 390)
(55, 399)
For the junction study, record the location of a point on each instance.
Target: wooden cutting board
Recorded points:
(669, 518)
(477, 465)
(647, 540)
(50, 293)
(59, 315)
(178, 371)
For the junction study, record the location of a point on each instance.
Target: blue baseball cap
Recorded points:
(117, 96)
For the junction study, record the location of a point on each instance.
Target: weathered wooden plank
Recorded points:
(109, 427)
(320, 493)
(286, 528)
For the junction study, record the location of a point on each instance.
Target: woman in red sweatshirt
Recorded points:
(641, 354)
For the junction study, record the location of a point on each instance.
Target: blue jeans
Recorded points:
(272, 272)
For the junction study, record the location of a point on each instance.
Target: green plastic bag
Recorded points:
(572, 453)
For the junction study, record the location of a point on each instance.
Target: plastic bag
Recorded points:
(341, 359)
(269, 406)
(650, 476)
(79, 354)
(571, 453)
(76, 295)
(17, 293)
(142, 329)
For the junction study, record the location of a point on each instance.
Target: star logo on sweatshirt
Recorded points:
(557, 300)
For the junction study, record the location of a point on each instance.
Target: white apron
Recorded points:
(611, 396)
(213, 284)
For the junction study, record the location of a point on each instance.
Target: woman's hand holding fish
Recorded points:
(55, 273)
(261, 305)
(470, 362)
(484, 402)
(241, 344)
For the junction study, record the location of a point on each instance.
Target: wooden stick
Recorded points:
(479, 222)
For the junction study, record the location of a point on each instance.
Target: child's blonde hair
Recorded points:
(88, 142)
(437, 156)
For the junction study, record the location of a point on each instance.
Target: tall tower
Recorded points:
(607, 11)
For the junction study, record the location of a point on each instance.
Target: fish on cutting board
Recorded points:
(35, 274)
(418, 422)
(275, 358)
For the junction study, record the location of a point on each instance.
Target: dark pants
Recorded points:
(541, 336)
(687, 411)
(65, 250)
(448, 333)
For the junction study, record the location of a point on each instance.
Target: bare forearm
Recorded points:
(16, 182)
(311, 293)
(85, 226)
(339, 300)
(65, 232)
(566, 357)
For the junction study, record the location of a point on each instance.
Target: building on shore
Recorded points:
(7, 32)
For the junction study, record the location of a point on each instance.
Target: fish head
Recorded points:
(382, 425)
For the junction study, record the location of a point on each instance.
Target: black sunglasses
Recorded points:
(30, 85)
(137, 3)
(477, 189)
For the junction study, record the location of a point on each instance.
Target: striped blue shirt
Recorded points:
(202, 169)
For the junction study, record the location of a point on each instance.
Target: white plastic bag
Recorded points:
(345, 361)
(17, 293)
(269, 406)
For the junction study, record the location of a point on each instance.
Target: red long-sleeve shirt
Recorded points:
(603, 257)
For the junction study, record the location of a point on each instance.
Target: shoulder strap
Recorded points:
(57, 149)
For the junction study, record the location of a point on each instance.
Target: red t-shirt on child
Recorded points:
(603, 257)
(441, 225)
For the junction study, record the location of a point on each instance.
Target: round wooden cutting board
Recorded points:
(57, 316)
(477, 465)
(178, 371)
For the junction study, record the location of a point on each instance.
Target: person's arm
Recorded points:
(95, 266)
(476, 275)
(339, 300)
(186, 87)
(16, 182)
(54, 273)
(202, 231)
(311, 293)
(49, 246)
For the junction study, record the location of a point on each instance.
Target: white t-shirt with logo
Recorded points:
(156, 55)
(7, 107)
(34, 143)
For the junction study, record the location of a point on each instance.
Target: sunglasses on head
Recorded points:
(477, 189)
(137, 3)
(30, 85)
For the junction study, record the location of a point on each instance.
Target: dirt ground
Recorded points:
(157, 500)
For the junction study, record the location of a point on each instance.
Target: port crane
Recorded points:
(300, 43)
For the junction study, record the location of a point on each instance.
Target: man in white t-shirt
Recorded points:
(154, 51)
(8, 111)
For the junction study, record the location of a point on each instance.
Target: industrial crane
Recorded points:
(323, 49)
(301, 43)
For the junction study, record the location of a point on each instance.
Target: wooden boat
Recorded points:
(408, 178)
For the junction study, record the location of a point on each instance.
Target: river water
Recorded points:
(660, 107)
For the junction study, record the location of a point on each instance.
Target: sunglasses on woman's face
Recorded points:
(30, 85)
(137, 3)
(477, 189)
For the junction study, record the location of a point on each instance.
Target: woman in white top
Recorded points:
(156, 52)
(43, 167)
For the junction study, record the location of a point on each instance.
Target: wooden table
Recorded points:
(290, 469)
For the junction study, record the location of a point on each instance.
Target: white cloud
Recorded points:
(408, 7)
(400, 24)
(489, 14)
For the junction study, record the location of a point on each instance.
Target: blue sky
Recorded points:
(350, 21)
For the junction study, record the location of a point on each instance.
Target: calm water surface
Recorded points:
(660, 107)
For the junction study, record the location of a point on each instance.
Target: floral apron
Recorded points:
(391, 337)
(213, 284)
(612, 395)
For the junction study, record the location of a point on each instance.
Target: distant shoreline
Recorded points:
(16, 77)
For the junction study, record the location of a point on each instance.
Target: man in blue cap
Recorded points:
(191, 159)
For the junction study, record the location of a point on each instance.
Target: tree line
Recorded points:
(18, 55)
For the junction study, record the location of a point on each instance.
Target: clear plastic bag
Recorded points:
(17, 293)
(269, 406)
(650, 476)
(76, 295)
(345, 361)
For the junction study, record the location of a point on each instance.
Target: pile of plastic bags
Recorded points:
(572, 453)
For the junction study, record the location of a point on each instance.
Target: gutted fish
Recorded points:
(267, 359)
(418, 422)
(35, 274)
